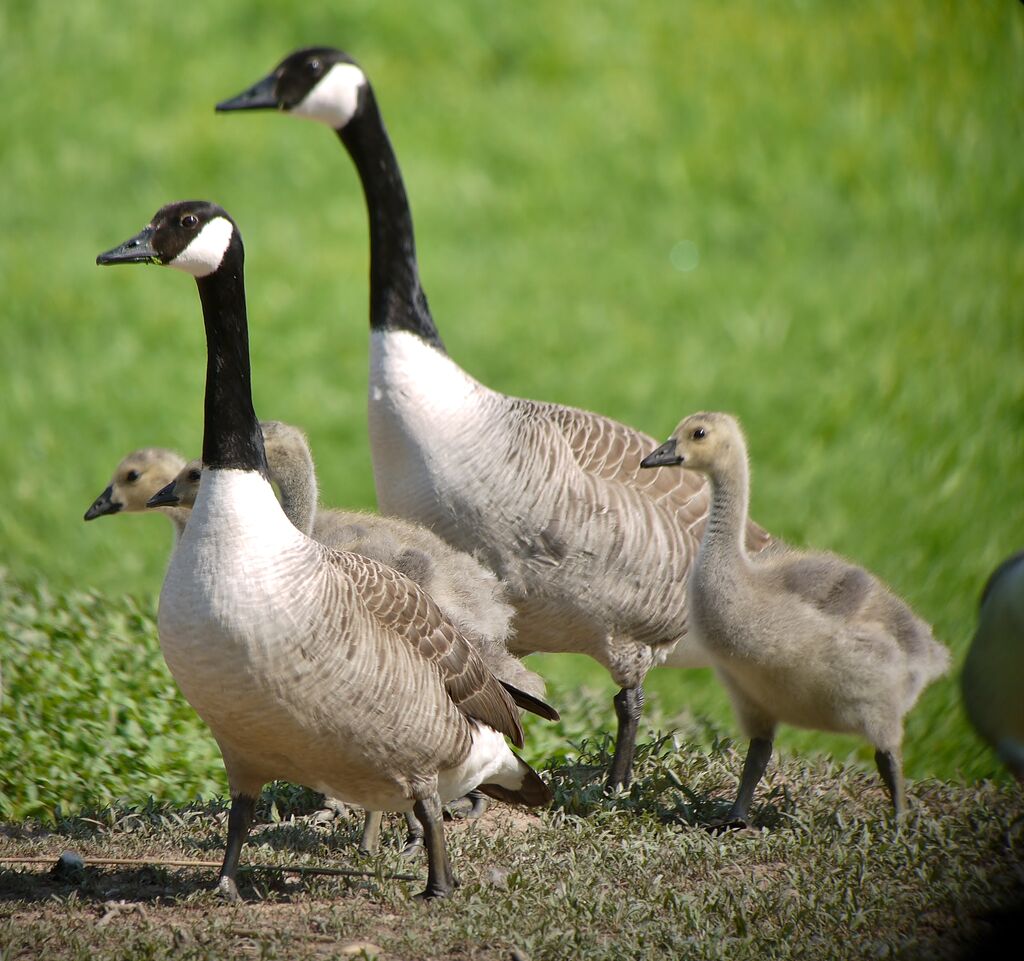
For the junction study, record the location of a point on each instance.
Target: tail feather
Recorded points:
(532, 791)
(530, 703)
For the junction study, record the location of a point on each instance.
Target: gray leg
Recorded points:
(371, 833)
(440, 880)
(758, 755)
(891, 769)
(470, 807)
(629, 704)
(414, 839)
(243, 809)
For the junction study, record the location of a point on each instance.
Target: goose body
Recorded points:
(550, 497)
(993, 674)
(317, 666)
(798, 637)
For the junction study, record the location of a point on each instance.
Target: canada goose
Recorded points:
(549, 497)
(805, 638)
(993, 674)
(469, 595)
(311, 665)
(136, 479)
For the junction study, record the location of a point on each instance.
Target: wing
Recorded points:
(612, 451)
(404, 609)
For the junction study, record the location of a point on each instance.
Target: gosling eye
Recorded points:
(189, 221)
(698, 433)
(132, 476)
(195, 476)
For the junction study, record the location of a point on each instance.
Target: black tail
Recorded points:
(533, 792)
(530, 703)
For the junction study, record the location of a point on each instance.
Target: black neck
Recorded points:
(231, 433)
(397, 301)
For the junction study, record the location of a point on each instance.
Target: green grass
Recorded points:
(804, 213)
(593, 877)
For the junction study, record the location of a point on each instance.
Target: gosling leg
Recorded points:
(629, 704)
(368, 843)
(758, 755)
(891, 768)
(440, 880)
(243, 809)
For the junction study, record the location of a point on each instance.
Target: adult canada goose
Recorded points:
(549, 497)
(805, 638)
(315, 666)
(136, 479)
(466, 593)
(993, 674)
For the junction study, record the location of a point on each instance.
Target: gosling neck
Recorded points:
(397, 300)
(295, 477)
(724, 533)
(231, 433)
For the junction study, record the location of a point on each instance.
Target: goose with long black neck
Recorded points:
(550, 497)
(309, 665)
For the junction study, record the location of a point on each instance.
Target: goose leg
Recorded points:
(469, 807)
(371, 832)
(440, 880)
(891, 769)
(414, 839)
(243, 809)
(758, 755)
(629, 704)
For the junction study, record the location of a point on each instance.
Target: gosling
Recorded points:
(799, 637)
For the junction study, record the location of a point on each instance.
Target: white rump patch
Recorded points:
(204, 255)
(334, 99)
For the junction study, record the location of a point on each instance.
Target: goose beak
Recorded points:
(138, 250)
(664, 456)
(104, 504)
(260, 96)
(165, 497)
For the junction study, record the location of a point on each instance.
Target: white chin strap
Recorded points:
(204, 255)
(334, 99)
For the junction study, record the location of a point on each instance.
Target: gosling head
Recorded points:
(319, 83)
(191, 235)
(286, 445)
(182, 489)
(701, 442)
(140, 475)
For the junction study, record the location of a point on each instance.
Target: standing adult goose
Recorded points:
(805, 638)
(993, 675)
(549, 497)
(136, 479)
(467, 594)
(311, 665)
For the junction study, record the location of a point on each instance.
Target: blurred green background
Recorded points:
(807, 213)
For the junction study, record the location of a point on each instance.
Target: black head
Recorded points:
(320, 83)
(191, 235)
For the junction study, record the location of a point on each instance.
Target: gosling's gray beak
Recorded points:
(138, 250)
(664, 456)
(165, 497)
(104, 504)
(260, 96)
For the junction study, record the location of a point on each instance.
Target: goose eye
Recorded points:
(699, 433)
(189, 221)
(132, 476)
(314, 67)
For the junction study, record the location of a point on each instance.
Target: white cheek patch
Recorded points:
(334, 99)
(204, 255)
